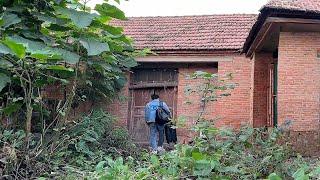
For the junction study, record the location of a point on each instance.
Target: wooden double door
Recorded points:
(141, 92)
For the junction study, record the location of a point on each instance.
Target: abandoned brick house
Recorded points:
(274, 56)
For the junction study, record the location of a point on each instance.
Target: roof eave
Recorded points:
(266, 12)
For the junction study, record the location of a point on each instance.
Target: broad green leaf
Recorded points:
(49, 19)
(110, 10)
(93, 46)
(300, 174)
(18, 49)
(68, 56)
(37, 35)
(4, 80)
(80, 18)
(59, 68)
(30, 45)
(116, 47)
(9, 19)
(130, 62)
(202, 168)
(101, 64)
(46, 18)
(44, 55)
(119, 161)
(196, 155)
(41, 51)
(155, 160)
(100, 166)
(5, 63)
(4, 49)
(109, 58)
(120, 82)
(115, 31)
(274, 176)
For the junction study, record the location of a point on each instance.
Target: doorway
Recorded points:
(144, 83)
(273, 94)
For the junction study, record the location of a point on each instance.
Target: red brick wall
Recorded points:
(188, 106)
(260, 88)
(234, 110)
(119, 108)
(299, 80)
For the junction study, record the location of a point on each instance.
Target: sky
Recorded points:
(134, 8)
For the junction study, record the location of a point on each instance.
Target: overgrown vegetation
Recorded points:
(213, 154)
(82, 145)
(222, 155)
(55, 55)
(216, 153)
(62, 47)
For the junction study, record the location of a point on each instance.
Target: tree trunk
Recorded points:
(28, 119)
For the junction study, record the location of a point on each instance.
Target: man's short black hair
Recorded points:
(154, 96)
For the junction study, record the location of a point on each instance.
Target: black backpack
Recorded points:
(162, 115)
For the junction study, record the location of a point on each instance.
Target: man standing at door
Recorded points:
(155, 128)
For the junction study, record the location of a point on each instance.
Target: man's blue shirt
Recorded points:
(151, 110)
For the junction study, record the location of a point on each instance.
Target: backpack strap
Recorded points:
(161, 104)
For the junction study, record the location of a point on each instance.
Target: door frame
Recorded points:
(272, 101)
(132, 87)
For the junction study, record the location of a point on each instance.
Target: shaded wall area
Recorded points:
(261, 89)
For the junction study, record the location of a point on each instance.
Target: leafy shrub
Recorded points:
(117, 141)
(77, 150)
(11, 143)
(91, 139)
(216, 154)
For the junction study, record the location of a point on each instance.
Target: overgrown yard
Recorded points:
(93, 149)
(62, 47)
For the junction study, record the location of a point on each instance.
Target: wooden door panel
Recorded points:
(138, 128)
(140, 97)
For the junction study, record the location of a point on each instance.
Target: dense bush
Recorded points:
(80, 146)
(218, 154)
(92, 152)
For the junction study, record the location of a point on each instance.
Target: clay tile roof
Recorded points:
(295, 5)
(208, 32)
(285, 8)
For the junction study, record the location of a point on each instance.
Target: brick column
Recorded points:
(299, 80)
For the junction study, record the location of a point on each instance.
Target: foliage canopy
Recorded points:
(60, 43)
